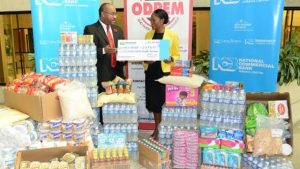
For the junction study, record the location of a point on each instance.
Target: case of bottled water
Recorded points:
(78, 62)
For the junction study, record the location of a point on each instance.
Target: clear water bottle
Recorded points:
(135, 132)
(213, 96)
(135, 113)
(123, 128)
(106, 128)
(118, 128)
(164, 118)
(234, 97)
(227, 96)
(220, 96)
(205, 95)
(241, 97)
(175, 120)
(181, 118)
(194, 117)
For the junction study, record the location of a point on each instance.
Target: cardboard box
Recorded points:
(147, 163)
(265, 97)
(111, 165)
(47, 154)
(39, 108)
(151, 159)
(181, 96)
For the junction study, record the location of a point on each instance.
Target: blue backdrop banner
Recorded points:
(245, 42)
(49, 18)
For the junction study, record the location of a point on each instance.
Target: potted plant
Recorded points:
(201, 63)
(289, 61)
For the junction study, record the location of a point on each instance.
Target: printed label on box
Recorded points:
(181, 96)
(278, 109)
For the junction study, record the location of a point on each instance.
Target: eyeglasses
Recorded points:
(111, 14)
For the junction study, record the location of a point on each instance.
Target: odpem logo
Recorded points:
(226, 2)
(143, 9)
(226, 64)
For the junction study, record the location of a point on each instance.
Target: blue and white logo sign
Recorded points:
(50, 18)
(245, 42)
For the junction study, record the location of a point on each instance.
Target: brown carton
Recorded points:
(39, 108)
(266, 97)
(151, 159)
(47, 154)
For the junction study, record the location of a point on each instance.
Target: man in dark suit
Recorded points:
(106, 36)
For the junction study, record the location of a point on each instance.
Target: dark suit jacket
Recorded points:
(104, 70)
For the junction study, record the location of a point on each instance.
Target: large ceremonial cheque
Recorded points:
(49, 19)
(137, 22)
(245, 42)
(143, 50)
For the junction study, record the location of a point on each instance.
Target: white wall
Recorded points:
(14, 5)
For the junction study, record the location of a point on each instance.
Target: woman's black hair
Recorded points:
(162, 14)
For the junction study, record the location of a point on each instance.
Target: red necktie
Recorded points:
(112, 45)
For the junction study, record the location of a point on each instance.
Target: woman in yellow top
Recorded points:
(155, 91)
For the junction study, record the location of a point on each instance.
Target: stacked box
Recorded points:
(153, 155)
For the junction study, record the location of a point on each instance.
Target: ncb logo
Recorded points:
(226, 2)
(49, 66)
(226, 64)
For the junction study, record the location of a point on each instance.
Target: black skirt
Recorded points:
(155, 91)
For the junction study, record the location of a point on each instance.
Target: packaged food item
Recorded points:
(35, 165)
(44, 165)
(120, 88)
(108, 89)
(114, 89)
(266, 144)
(43, 133)
(80, 162)
(127, 89)
(24, 164)
(232, 146)
(53, 82)
(253, 110)
(79, 124)
(278, 109)
(55, 124)
(55, 135)
(118, 85)
(66, 125)
(209, 143)
(67, 135)
(234, 160)
(208, 156)
(79, 135)
(54, 164)
(95, 154)
(63, 165)
(250, 143)
(221, 158)
(69, 157)
(38, 92)
(208, 132)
